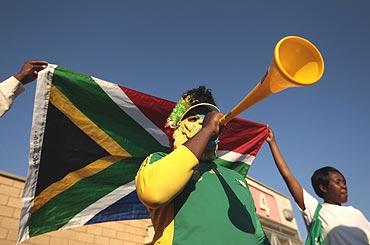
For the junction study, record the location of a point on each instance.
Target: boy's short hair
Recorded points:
(199, 95)
(321, 177)
(188, 99)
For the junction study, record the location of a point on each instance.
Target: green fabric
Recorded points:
(212, 190)
(156, 156)
(315, 235)
(51, 216)
(240, 167)
(106, 114)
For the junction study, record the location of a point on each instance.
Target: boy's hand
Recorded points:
(29, 71)
(271, 137)
(212, 123)
(210, 130)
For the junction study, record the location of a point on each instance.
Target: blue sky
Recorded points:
(165, 47)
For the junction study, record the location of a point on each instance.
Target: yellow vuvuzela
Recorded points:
(296, 63)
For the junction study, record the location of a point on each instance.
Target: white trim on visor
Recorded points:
(207, 105)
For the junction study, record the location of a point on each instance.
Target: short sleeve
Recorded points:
(310, 204)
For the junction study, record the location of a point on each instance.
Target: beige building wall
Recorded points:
(276, 214)
(283, 205)
(111, 233)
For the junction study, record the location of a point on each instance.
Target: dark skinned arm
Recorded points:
(292, 183)
(210, 130)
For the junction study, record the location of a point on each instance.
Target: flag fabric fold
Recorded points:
(88, 139)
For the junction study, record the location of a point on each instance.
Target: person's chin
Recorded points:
(344, 198)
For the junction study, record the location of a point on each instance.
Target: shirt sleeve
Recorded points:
(364, 223)
(9, 90)
(160, 181)
(310, 204)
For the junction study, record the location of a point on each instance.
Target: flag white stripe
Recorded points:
(36, 138)
(232, 156)
(88, 213)
(124, 102)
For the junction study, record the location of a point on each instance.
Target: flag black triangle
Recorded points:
(66, 148)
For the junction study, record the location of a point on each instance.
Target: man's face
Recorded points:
(336, 191)
(187, 129)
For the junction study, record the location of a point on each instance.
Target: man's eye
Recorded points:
(193, 119)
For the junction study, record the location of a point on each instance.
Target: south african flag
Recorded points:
(88, 140)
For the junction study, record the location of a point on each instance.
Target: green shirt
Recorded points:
(214, 207)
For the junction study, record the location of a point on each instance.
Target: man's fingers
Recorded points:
(38, 67)
(38, 62)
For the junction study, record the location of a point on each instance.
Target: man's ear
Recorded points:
(323, 188)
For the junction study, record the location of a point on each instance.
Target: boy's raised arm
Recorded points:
(294, 186)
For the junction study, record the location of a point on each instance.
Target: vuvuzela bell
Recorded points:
(296, 62)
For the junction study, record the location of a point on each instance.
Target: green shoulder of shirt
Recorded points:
(155, 157)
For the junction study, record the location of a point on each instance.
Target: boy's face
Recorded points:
(336, 191)
(189, 127)
(186, 129)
